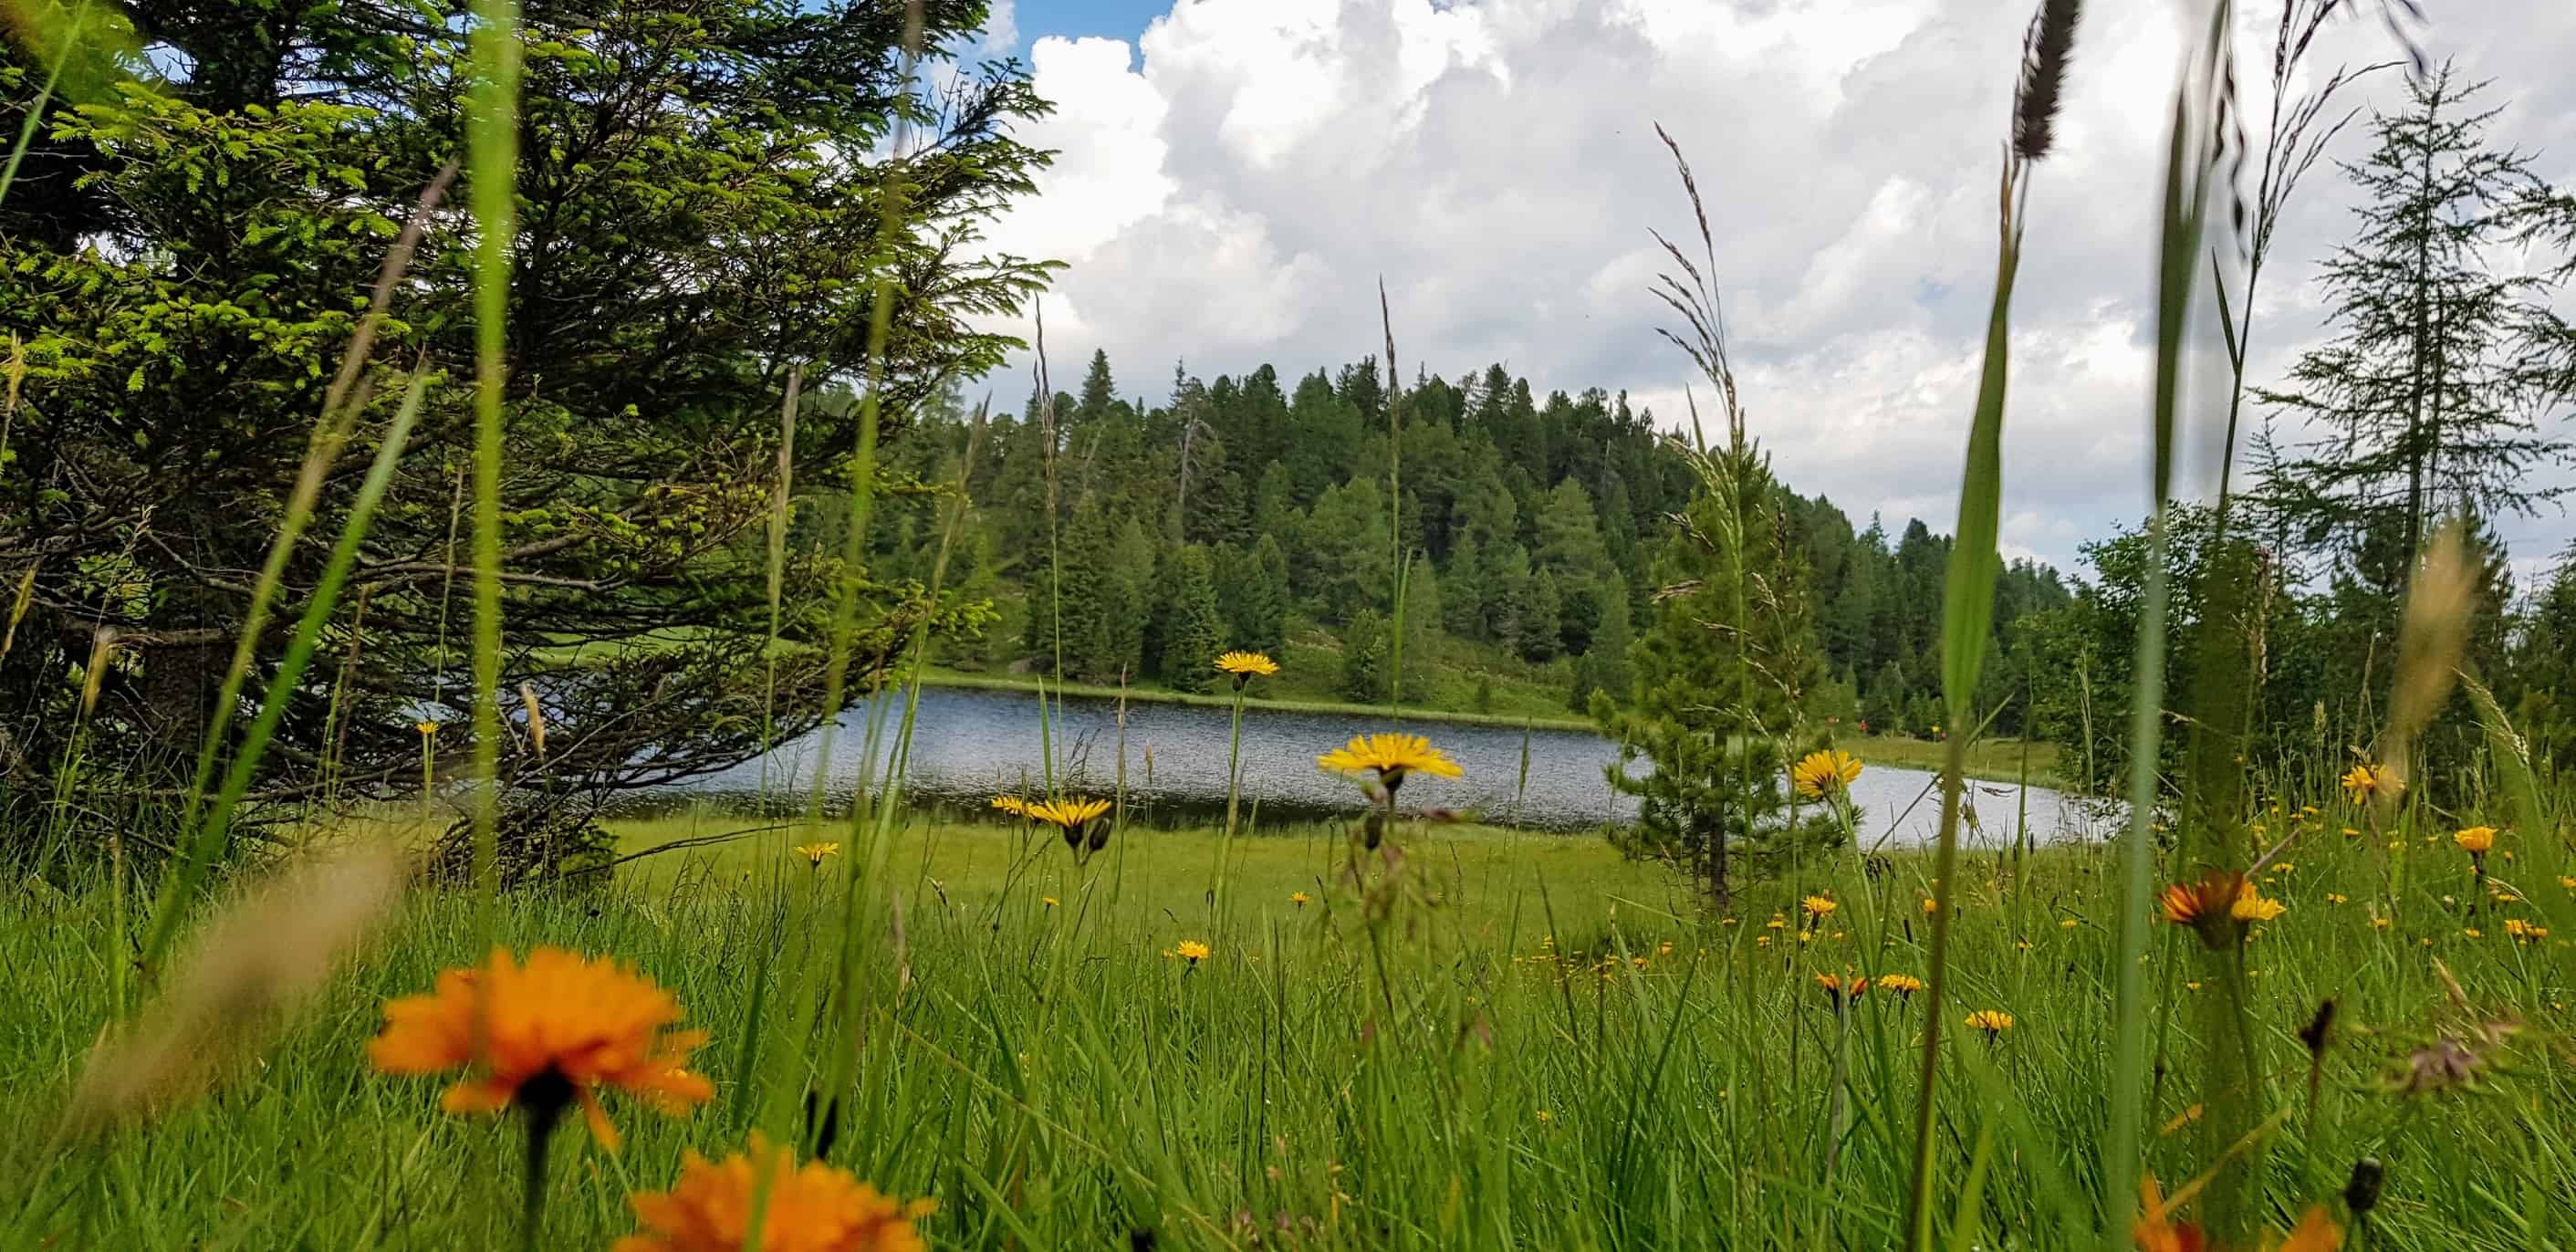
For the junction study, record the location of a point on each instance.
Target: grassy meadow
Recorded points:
(1486, 1039)
(252, 1005)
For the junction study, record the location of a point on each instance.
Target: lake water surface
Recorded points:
(967, 744)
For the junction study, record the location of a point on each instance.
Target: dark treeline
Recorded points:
(1245, 511)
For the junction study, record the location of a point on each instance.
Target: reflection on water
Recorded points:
(968, 744)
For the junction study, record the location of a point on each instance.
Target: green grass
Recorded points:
(1510, 1055)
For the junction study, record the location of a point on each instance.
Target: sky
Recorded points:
(1234, 177)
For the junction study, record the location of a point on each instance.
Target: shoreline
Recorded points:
(1994, 761)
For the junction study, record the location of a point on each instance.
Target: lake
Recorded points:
(969, 744)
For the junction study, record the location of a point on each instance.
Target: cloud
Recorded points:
(1233, 185)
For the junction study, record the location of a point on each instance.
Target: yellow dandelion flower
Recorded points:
(545, 1034)
(2379, 923)
(1191, 950)
(2475, 840)
(1904, 985)
(1246, 666)
(426, 728)
(1049, 901)
(1818, 774)
(1992, 1021)
(1300, 899)
(2068, 924)
(2250, 907)
(813, 1208)
(815, 852)
(1930, 906)
(1390, 756)
(2364, 782)
(1818, 906)
(2334, 897)
(1013, 805)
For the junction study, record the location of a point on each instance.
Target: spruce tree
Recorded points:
(1534, 631)
(2424, 403)
(1261, 612)
(1463, 608)
(1364, 657)
(1718, 679)
(1195, 631)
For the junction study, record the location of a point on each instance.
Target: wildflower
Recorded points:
(1300, 899)
(1075, 816)
(1839, 990)
(2351, 832)
(1192, 951)
(2155, 1230)
(1930, 906)
(1245, 666)
(2475, 840)
(2524, 932)
(815, 852)
(2207, 906)
(2567, 882)
(2473, 932)
(1014, 805)
(1818, 906)
(2193, 985)
(425, 727)
(1049, 901)
(1545, 1116)
(2365, 782)
(542, 1035)
(1992, 1021)
(1761, 941)
(2250, 907)
(1390, 756)
(1904, 985)
(1819, 774)
(1776, 923)
(2336, 897)
(815, 1208)
(2316, 1233)
(2379, 923)
(2068, 924)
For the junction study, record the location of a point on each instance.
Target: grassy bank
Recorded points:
(1489, 1040)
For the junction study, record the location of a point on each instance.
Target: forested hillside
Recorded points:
(1253, 512)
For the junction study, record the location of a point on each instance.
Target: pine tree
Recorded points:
(1421, 629)
(1570, 548)
(1098, 390)
(1717, 680)
(1464, 607)
(1196, 632)
(1261, 612)
(2424, 402)
(1347, 545)
(1364, 657)
(1128, 601)
(1534, 632)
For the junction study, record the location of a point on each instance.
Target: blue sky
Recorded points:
(1117, 19)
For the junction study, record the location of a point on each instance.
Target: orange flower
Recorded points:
(2475, 840)
(556, 1029)
(815, 1208)
(1838, 990)
(2316, 1233)
(2156, 1231)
